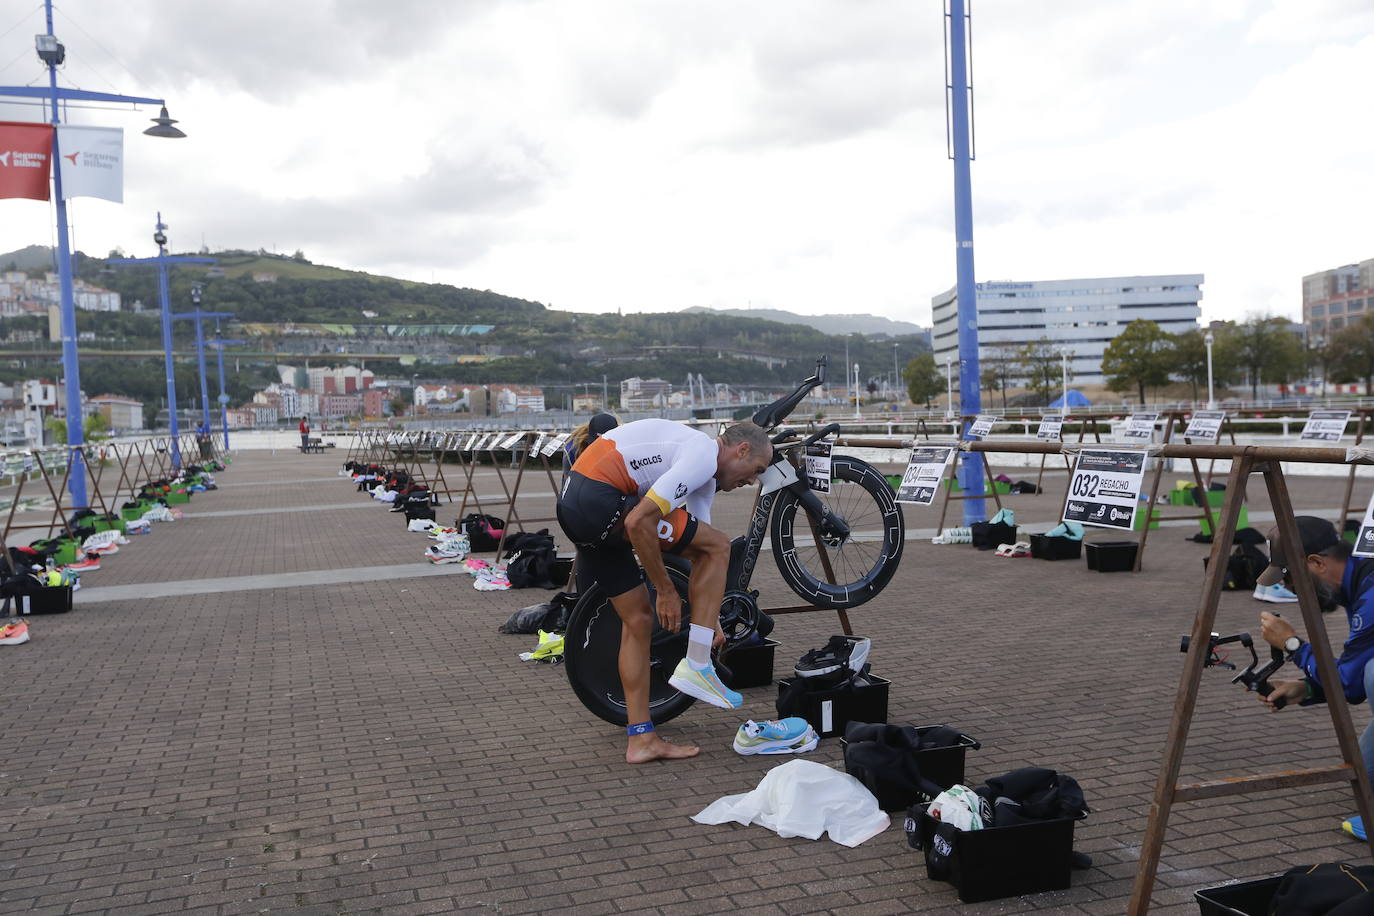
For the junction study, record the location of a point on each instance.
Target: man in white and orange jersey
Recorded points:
(642, 489)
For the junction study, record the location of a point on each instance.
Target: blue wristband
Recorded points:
(639, 729)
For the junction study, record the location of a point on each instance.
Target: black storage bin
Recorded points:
(1246, 898)
(1044, 547)
(749, 666)
(829, 711)
(1006, 861)
(52, 599)
(1111, 556)
(562, 569)
(943, 766)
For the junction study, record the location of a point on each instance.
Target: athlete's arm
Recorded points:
(641, 527)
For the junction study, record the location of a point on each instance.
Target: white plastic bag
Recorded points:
(806, 799)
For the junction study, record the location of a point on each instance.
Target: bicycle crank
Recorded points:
(739, 617)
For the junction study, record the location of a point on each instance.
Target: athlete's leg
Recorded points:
(636, 630)
(709, 552)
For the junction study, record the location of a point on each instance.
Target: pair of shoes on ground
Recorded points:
(14, 633)
(1275, 594)
(954, 536)
(793, 735)
(1019, 549)
(487, 578)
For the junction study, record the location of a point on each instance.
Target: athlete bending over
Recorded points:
(646, 488)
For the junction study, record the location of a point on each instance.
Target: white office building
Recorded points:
(1080, 315)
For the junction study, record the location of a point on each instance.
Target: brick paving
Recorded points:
(376, 746)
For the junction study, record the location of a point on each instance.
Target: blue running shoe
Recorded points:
(704, 684)
(776, 736)
(1354, 826)
(1275, 594)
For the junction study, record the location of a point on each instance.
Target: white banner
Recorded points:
(92, 162)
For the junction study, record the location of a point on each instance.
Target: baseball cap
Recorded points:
(601, 423)
(1316, 535)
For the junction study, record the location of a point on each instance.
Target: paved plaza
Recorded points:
(274, 705)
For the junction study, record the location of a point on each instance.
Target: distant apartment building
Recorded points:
(644, 393)
(21, 295)
(375, 401)
(264, 414)
(584, 402)
(343, 380)
(240, 419)
(341, 405)
(119, 413)
(1333, 299)
(430, 394)
(1081, 316)
(518, 399)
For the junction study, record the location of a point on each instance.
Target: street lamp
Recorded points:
(896, 376)
(949, 388)
(53, 54)
(1210, 339)
(1064, 377)
(857, 414)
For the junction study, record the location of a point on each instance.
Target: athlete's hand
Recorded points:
(669, 607)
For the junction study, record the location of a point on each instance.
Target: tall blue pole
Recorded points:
(71, 370)
(204, 387)
(223, 395)
(165, 300)
(970, 397)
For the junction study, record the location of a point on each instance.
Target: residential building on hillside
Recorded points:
(581, 402)
(343, 380)
(341, 405)
(20, 294)
(428, 394)
(644, 393)
(1080, 316)
(518, 399)
(1333, 299)
(240, 419)
(120, 413)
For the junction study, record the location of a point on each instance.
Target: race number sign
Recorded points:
(554, 444)
(1051, 429)
(1364, 542)
(512, 440)
(982, 426)
(1140, 427)
(818, 466)
(1325, 425)
(923, 474)
(1205, 424)
(472, 440)
(1105, 488)
(538, 446)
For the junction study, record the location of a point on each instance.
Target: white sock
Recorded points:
(699, 646)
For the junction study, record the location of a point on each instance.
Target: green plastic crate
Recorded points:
(1140, 518)
(1243, 521)
(105, 524)
(174, 498)
(67, 552)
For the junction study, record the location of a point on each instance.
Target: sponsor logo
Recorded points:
(71, 156)
(665, 531)
(638, 463)
(1120, 515)
(4, 158)
(1356, 623)
(1101, 511)
(23, 160)
(1077, 507)
(942, 845)
(680, 492)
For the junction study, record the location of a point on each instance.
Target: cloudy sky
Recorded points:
(599, 154)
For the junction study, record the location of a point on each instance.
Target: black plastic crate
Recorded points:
(1006, 861)
(51, 599)
(749, 666)
(943, 766)
(1246, 898)
(1055, 548)
(1111, 556)
(829, 711)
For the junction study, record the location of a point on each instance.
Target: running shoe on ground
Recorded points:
(1275, 594)
(14, 633)
(475, 566)
(86, 564)
(776, 736)
(420, 524)
(440, 558)
(493, 582)
(840, 652)
(704, 684)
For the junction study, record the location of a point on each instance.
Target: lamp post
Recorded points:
(219, 343)
(857, 414)
(896, 376)
(1064, 377)
(52, 53)
(949, 388)
(162, 261)
(1210, 339)
(199, 317)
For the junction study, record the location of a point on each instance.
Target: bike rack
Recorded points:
(1245, 460)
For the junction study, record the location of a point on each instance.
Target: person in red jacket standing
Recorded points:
(305, 434)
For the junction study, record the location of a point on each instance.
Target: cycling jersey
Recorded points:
(666, 462)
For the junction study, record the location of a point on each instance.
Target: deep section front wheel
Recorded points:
(864, 562)
(591, 653)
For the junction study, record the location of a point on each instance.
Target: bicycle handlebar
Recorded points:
(771, 415)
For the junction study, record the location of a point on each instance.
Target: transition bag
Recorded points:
(483, 531)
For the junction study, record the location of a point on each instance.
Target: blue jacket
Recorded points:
(1357, 596)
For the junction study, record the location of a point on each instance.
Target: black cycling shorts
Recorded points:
(592, 515)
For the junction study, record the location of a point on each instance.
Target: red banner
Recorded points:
(25, 159)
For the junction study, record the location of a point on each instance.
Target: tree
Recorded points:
(922, 379)
(93, 427)
(1039, 365)
(1139, 357)
(1188, 359)
(1351, 353)
(398, 405)
(1266, 348)
(999, 369)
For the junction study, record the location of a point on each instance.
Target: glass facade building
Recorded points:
(1081, 316)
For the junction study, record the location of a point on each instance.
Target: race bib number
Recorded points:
(1105, 489)
(1325, 425)
(818, 466)
(924, 471)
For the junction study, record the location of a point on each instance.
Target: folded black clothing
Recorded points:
(1328, 889)
(1033, 793)
(907, 737)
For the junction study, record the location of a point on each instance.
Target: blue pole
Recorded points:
(204, 388)
(223, 395)
(70, 368)
(970, 396)
(166, 301)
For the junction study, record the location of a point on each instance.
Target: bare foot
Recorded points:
(643, 748)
